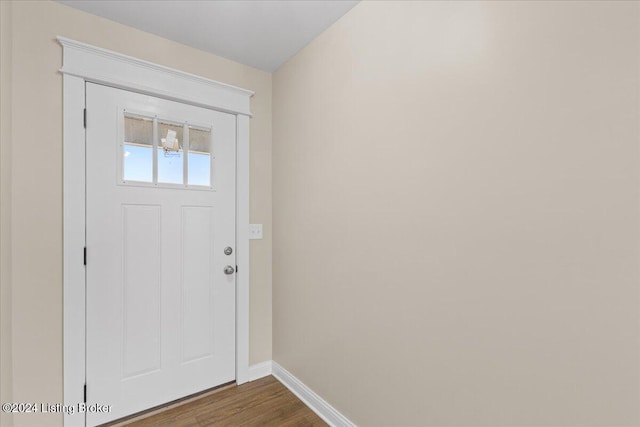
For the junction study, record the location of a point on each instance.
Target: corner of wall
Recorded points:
(6, 360)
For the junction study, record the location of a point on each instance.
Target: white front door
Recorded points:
(160, 202)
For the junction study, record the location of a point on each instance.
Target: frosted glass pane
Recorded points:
(138, 130)
(199, 156)
(137, 149)
(170, 160)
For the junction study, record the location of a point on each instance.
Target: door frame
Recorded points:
(84, 63)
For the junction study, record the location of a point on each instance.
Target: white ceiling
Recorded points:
(262, 34)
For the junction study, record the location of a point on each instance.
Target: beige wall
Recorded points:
(456, 225)
(6, 373)
(36, 202)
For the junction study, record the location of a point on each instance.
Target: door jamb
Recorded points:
(85, 63)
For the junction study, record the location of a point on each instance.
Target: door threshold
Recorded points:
(166, 406)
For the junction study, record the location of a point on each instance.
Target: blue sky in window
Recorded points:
(169, 167)
(138, 163)
(138, 166)
(199, 169)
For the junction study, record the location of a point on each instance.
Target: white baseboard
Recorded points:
(259, 370)
(317, 404)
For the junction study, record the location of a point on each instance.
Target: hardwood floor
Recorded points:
(264, 402)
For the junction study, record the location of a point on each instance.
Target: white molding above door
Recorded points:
(99, 65)
(85, 63)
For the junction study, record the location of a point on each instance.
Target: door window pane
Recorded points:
(170, 153)
(168, 165)
(199, 156)
(137, 149)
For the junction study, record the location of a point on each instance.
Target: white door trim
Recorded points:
(85, 63)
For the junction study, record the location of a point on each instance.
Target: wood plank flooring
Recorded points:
(264, 402)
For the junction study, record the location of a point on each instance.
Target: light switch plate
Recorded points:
(255, 231)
